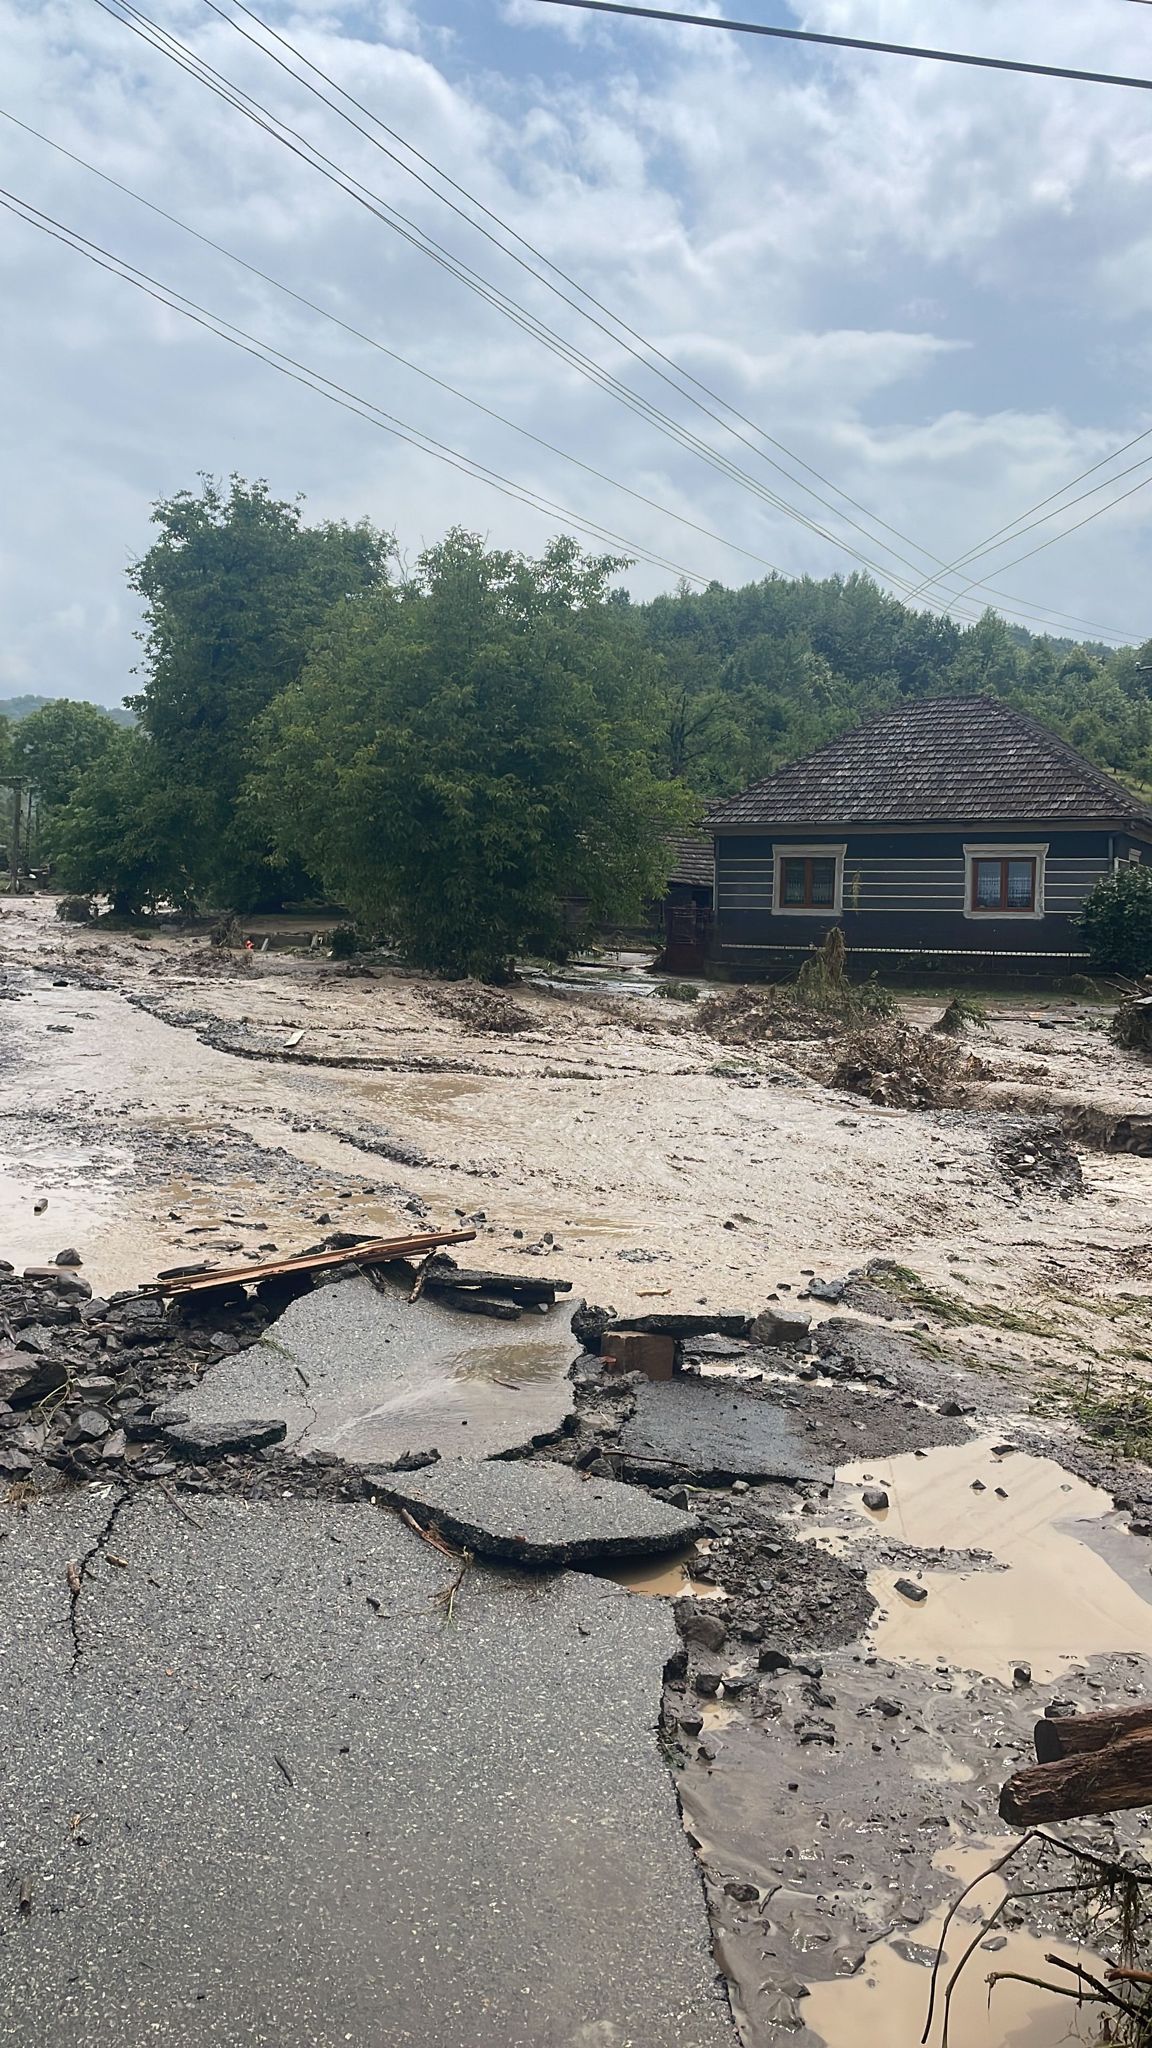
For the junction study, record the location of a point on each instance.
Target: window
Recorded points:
(1004, 881)
(1003, 885)
(807, 884)
(808, 880)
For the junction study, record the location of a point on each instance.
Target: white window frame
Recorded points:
(816, 852)
(1005, 850)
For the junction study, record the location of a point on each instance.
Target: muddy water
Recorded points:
(665, 1577)
(1058, 1600)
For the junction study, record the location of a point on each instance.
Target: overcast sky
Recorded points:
(932, 285)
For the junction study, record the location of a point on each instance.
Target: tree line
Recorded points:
(459, 749)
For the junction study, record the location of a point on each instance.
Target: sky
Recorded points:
(925, 290)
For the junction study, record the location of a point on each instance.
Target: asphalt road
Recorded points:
(268, 1794)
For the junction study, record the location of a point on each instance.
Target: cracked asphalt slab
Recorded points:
(282, 1800)
(359, 1370)
(539, 1514)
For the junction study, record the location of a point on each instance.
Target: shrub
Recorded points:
(1117, 921)
(344, 941)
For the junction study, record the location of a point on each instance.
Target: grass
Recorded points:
(951, 1309)
(1121, 1420)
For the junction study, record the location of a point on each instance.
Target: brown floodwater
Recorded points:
(1058, 1598)
(665, 1577)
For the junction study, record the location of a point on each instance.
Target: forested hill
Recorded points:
(14, 708)
(756, 676)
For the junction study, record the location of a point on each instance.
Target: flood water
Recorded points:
(1058, 1600)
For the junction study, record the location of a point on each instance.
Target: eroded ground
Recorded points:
(838, 1745)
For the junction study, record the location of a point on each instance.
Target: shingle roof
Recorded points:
(958, 759)
(693, 858)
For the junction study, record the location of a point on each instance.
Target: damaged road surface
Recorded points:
(281, 1800)
(360, 1372)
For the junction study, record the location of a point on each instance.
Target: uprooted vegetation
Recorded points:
(820, 1003)
(893, 1064)
(477, 1008)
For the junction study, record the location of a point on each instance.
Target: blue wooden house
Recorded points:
(954, 832)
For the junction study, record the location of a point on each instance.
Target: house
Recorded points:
(954, 831)
(686, 911)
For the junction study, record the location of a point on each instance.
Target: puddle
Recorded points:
(1059, 1600)
(667, 1576)
(509, 1365)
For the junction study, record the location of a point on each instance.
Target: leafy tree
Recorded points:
(468, 752)
(126, 833)
(236, 589)
(52, 747)
(1117, 921)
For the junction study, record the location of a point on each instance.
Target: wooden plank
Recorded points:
(1103, 1781)
(374, 1252)
(1079, 1734)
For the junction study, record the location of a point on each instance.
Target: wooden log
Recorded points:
(442, 1272)
(1079, 1734)
(373, 1252)
(1102, 1781)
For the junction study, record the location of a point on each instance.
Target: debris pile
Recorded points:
(899, 1067)
(1039, 1155)
(477, 1008)
(1132, 1024)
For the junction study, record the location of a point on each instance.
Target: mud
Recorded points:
(838, 1756)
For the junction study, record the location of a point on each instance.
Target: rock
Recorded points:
(889, 1708)
(26, 1378)
(601, 1468)
(1021, 1674)
(13, 1462)
(203, 1440)
(874, 1497)
(827, 1290)
(698, 1622)
(589, 1324)
(811, 1730)
(89, 1427)
(773, 1660)
(911, 1591)
(770, 1327)
(952, 1408)
(1140, 1528)
(707, 1683)
(68, 1257)
(690, 1724)
(736, 1682)
(744, 1894)
(98, 1386)
(114, 1446)
(415, 1461)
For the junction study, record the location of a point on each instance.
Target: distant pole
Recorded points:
(16, 786)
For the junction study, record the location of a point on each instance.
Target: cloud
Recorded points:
(930, 283)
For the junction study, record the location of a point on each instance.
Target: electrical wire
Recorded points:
(649, 347)
(804, 35)
(326, 387)
(168, 45)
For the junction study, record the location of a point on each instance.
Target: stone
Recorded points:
(911, 1591)
(874, 1497)
(827, 1290)
(537, 1514)
(771, 1659)
(1140, 1528)
(205, 1439)
(744, 1894)
(68, 1257)
(714, 1433)
(89, 1427)
(601, 1468)
(889, 1708)
(114, 1446)
(737, 1682)
(26, 1378)
(707, 1683)
(690, 1724)
(770, 1327)
(98, 1386)
(699, 1622)
(1021, 1674)
(13, 1462)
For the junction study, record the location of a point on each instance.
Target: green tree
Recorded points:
(236, 589)
(126, 833)
(52, 747)
(1117, 921)
(468, 753)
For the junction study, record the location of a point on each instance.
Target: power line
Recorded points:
(648, 346)
(394, 355)
(1086, 521)
(198, 68)
(314, 380)
(804, 35)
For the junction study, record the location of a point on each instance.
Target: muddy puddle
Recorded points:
(665, 1577)
(1064, 1582)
